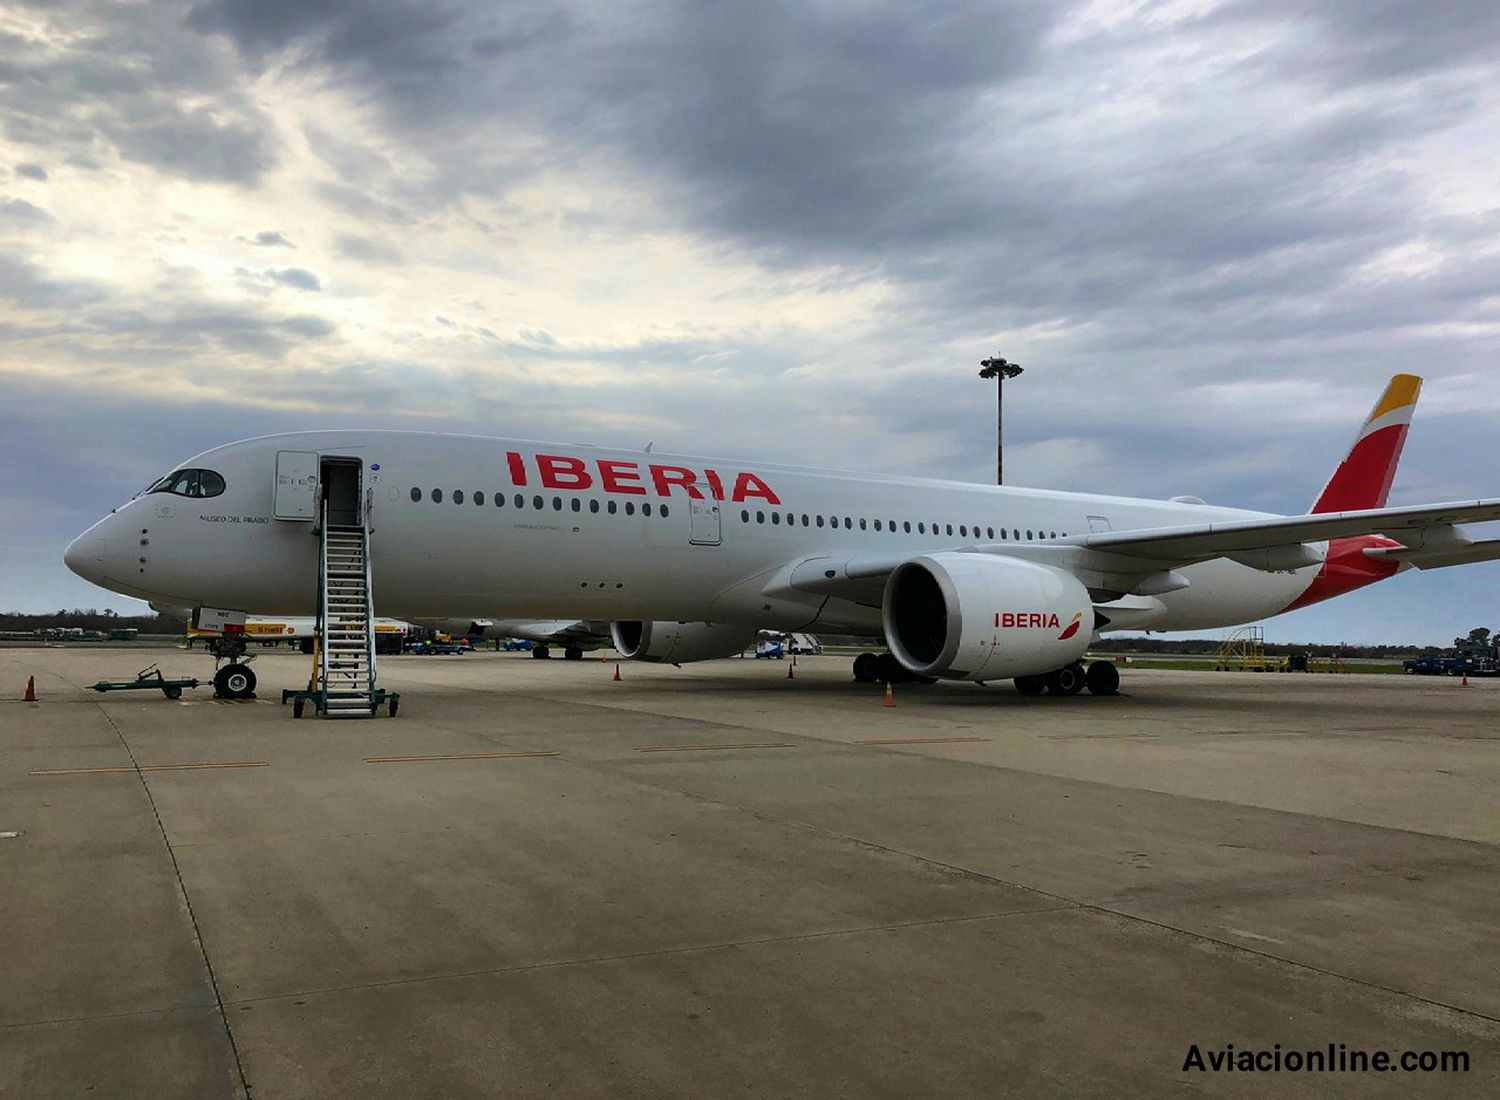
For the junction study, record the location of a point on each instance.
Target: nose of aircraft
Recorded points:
(97, 553)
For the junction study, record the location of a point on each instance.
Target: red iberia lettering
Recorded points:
(517, 468)
(664, 477)
(615, 476)
(562, 472)
(748, 485)
(1018, 619)
(715, 486)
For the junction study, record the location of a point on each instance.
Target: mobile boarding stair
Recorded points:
(343, 681)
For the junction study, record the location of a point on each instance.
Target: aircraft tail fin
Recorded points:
(1363, 479)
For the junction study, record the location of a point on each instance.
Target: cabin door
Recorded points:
(296, 495)
(703, 523)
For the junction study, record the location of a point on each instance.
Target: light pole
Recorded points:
(998, 369)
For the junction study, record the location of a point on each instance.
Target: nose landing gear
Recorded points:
(235, 680)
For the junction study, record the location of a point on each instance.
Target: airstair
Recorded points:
(346, 622)
(343, 684)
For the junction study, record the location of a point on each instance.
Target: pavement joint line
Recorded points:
(711, 748)
(627, 956)
(457, 756)
(187, 902)
(1075, 903)
(154, 768)
(923, 740)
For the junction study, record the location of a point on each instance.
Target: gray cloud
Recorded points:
(123, 86)
(298, 277)
(31, 171)
(269, 238)
(367, 250)
(18, 213)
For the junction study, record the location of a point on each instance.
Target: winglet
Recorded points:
(1363, 479)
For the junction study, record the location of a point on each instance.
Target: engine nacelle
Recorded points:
(981, 617)
(679, 643)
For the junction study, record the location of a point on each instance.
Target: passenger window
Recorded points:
(963, 532)
(499, 500)
(744, 515)
(820, 520)
(478, 498)
(458, 496)
(630, 507)
(760, 517)
(1015, 533)
(950, 528)
(520, 501)
(1002, 532)
(416, 494)
(775, 519)
(538, 503)
(613, 507)
(593, 506)
(906, 526)
(1028, 535)
(577, 505)
(437, 496)
(877, 525)
(921, 528)
(862, 525)
(848, 524)
(646, 508)
(663, 511)
(557, 504)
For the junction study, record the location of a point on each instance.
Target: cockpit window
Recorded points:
(190, 483)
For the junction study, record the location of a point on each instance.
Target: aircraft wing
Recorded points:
(1115, 563)
(1185, 545)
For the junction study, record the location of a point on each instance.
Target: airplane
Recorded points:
(688, 558)
(576, 637)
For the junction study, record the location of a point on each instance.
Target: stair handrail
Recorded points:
(322, 642)
(364, 537)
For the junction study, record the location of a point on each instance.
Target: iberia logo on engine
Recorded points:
(1046, 620)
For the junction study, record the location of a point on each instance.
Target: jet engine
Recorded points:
(678, 643)
(983, 617)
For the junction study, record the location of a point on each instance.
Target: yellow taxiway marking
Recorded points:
(455, 756)
(154, 768)
(709, 748)
(924, 741)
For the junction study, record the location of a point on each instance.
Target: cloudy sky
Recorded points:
(1209, 230)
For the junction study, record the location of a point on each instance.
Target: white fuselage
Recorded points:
(590, 533)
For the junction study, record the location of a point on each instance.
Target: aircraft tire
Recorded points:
(540, 652)
(1067, 680)
(1031, 685)
(234, 682)
(573, 653)
(864, 669)
(888, 670)
(1102, 678)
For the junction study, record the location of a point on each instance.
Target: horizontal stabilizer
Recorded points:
(1439, 557)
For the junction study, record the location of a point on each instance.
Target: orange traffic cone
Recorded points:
(890, 696)
(617, 670)
(30, 690)
(1465, 681)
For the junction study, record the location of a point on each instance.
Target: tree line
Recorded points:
(90, 619)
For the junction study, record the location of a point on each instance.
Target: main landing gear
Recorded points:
(1098, 677)
(883, 668)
